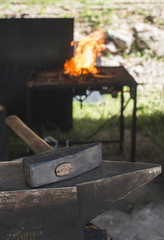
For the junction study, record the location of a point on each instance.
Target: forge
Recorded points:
(32, 83)
(108, 79)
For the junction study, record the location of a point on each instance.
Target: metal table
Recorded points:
(108, 78)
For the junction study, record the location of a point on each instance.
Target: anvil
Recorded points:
(60, 210)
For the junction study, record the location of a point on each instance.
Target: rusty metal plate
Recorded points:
(106, 77)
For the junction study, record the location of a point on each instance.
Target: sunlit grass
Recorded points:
(95, 116)
(100, 110)
(93, 121)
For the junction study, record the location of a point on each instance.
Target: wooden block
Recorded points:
(4, 149)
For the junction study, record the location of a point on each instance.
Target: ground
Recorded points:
(140, 215)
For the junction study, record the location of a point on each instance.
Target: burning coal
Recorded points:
(86, 53)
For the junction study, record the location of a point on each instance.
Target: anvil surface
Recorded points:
(60, 210)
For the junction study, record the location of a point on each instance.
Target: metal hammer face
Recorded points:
(62, 164)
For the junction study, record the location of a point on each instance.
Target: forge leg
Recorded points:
(122, 121)
(133, 138)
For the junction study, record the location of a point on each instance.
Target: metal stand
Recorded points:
(133, 137)
(122, 121)
(133, 96)
(111, 78)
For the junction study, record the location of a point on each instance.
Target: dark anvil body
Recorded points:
(60, 210)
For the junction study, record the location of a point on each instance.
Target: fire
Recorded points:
(87, 51)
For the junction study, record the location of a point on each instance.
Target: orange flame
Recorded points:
(87, 51)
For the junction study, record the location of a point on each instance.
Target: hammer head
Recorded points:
(61, 164)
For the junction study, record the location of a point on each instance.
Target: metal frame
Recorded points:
(133, 137)
(133, 127)
(118, 78)
(133, 95)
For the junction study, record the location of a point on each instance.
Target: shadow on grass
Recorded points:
(90, 129)
(83, 129)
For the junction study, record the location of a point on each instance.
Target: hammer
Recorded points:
(50, 165)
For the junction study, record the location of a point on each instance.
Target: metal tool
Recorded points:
(60, 210)
(58, 165)
(54, 165)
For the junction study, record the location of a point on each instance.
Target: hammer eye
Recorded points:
(63, 169)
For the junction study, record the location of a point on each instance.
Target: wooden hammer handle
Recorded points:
(36, 143)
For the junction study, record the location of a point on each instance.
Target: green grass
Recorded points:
(95, 17)
(152, 124)
(159, 21)
(41, 2)
(141, 11)
(67, 15)
(150, 116)
(144, 54)
(47, 2)
(92, 122)
(88, 119)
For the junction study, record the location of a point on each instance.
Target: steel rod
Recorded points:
(92, 141)
(134, 118)
(122, 121)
